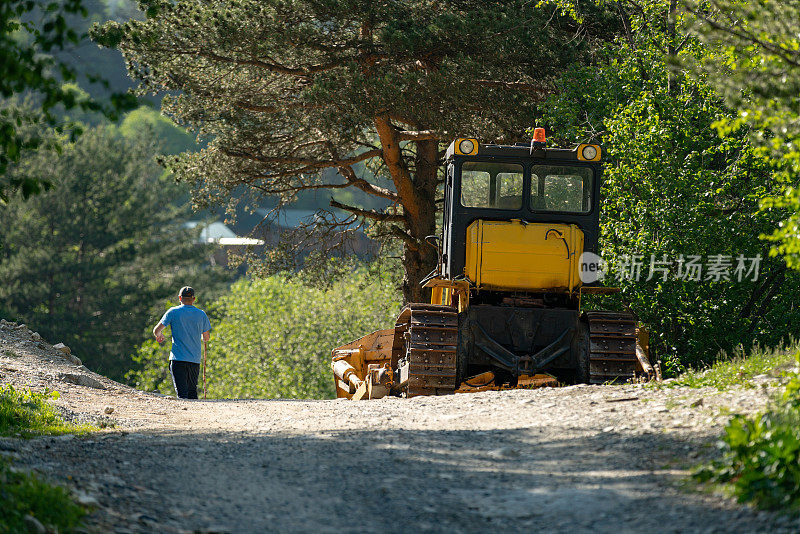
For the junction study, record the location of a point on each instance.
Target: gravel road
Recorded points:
(573, 459)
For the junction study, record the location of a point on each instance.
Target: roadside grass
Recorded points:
(24, 496)
(26, 499)
(27, 414)
(739, 368)
(760, 454)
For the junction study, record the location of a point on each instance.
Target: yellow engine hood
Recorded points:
(524, 256)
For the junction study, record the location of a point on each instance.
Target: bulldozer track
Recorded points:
(612, 346)
(430, 335)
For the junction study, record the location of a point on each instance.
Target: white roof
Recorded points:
(239, 241)
(216, 232)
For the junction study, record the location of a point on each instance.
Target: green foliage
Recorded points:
(31, 31)
(737, 369)
(787, 244)
(757, 70)
(27, 413)
(674, 189)
(761, 454)
(272, 338)
(86, 262)
(24, 494)
(147, 121)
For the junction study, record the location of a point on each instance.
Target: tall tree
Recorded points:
(87, 261)
(289, 89)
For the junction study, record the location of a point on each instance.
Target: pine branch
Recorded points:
(309, 164)
(298, 72)
(368, 214)
(404, 236)
(422, 135)
(247, 106)
(515, 86)
(362, 184)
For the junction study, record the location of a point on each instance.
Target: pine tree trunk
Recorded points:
(420, 260)
(417, 195)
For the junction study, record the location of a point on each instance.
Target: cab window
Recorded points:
(561, 188)
(491, 185)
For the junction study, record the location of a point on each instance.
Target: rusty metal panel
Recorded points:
(437, 358)
(432, 382)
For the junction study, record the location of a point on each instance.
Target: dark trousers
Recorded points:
(184, 378)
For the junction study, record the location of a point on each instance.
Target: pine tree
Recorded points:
(288, 90)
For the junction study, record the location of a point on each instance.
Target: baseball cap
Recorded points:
(186, 291)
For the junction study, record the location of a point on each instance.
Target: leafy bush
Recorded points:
(676, 186)
(27, 413)
(273, 337)
(761, 453)
(666, 201)
(147, 121)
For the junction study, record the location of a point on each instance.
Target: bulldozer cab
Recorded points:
(530, 210)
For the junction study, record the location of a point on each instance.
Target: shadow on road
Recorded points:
(390, 481)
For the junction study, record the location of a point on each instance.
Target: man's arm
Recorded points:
(206, 327)
(157, 331)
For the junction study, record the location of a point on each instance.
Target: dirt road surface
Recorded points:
(574, 459)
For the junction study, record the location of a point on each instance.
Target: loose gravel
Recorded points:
(601, 459)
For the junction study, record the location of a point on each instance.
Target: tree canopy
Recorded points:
(287, 89)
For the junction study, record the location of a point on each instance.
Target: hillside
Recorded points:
(579, 459)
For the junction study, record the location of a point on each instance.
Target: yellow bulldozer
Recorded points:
(518, 251)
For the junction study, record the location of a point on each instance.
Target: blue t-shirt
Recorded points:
(188, 325)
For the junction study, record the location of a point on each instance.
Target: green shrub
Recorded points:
(27, 413)
(761, 454)
(273, 337)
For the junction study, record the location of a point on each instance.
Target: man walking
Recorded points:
(190, 326)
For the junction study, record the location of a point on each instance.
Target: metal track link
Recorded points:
(612, 346)
(430, 335)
